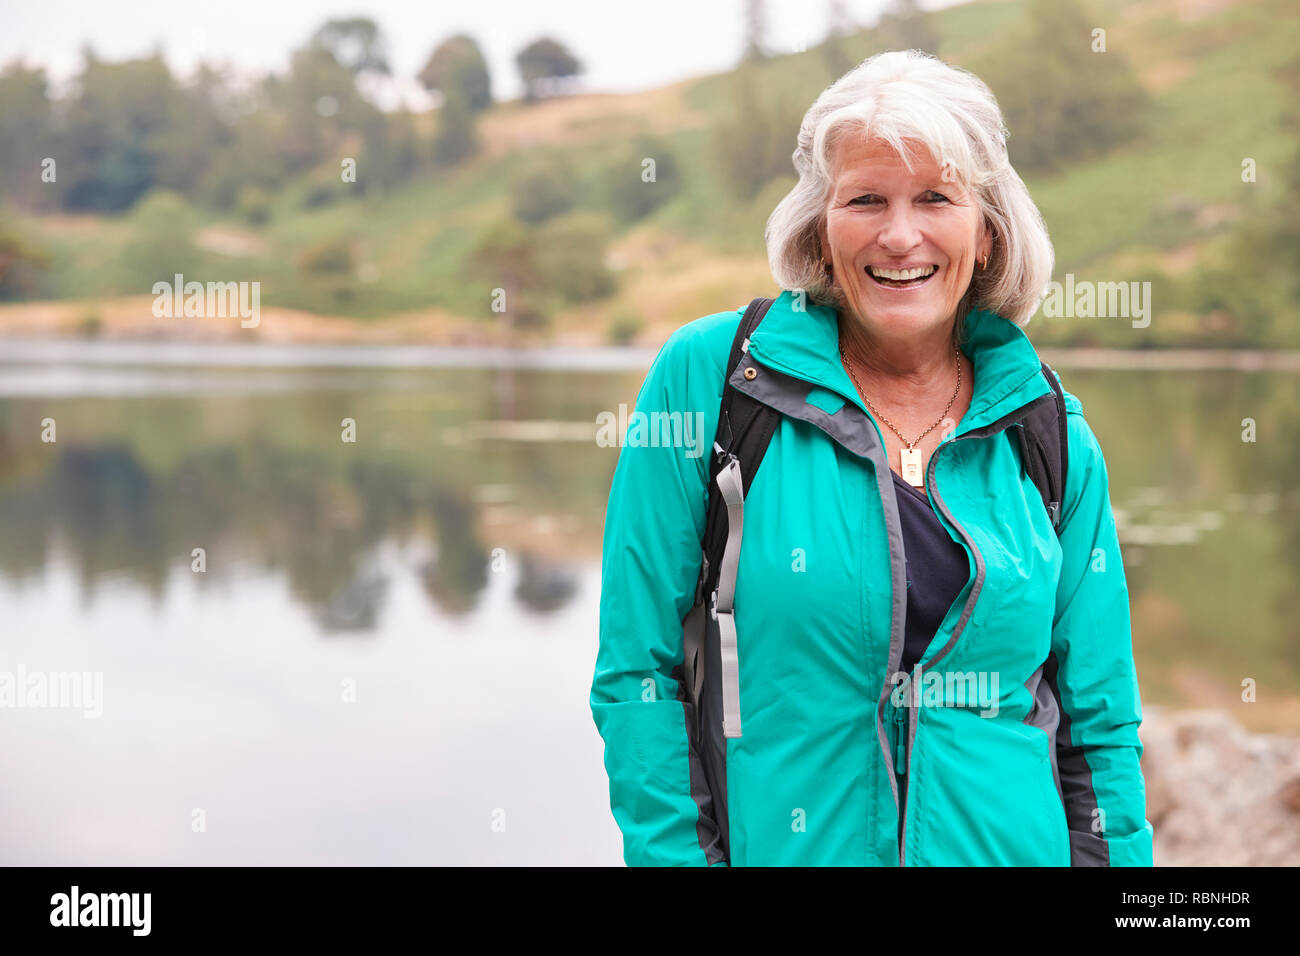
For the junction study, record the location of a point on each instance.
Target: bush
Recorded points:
(624, 326)
(22, 266)
(324, 190)
(329, 257)
(505, 256)
(162, 226)
(571, 256)
(543, 192)
(630, 195)
(91, 325)
(253, 206)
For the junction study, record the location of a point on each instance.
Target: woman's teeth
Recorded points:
(902, 276)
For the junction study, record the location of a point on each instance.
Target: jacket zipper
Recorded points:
(902, 753)
(900, 758)
(900, 770)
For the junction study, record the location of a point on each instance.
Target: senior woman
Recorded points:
(929, 668)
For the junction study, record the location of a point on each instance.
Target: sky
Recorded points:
(625, 46)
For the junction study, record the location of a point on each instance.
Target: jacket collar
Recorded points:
(804, 342)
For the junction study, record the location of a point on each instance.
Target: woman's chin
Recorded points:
(889, 314)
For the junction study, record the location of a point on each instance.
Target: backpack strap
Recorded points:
(1044, 446)
(745, 428)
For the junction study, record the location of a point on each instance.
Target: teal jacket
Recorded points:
(1017, 735)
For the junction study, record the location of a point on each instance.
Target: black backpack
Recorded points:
(746, 426)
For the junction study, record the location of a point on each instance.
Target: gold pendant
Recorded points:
(910, 459)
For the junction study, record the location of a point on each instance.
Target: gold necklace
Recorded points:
(909, 457)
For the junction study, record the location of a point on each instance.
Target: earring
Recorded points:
(985, 264)
(826, 266)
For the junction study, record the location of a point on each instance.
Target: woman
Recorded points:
(931, 668)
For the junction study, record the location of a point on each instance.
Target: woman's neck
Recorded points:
(909, 372)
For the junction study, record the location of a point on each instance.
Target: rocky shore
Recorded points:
(1218, 795)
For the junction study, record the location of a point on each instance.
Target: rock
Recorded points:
(1218, 795)
(1289, 795)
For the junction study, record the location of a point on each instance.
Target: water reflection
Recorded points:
(544, 586)
(133, 486)
(447, 563)
(441, 584)
(1205, 480)
(261, 479)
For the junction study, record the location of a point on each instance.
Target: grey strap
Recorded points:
(733, 493)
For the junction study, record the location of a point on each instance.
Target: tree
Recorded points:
(839, 22)
(160, 243)
(1257, 278)
(114, 128)
(456, 138)
(835, 49)
(23, 265)
(755, 139)
(507, 257)
(198, 127)
(755, 30)
(314, 103)
(25, 134)
(571, 257)
(391, 151)
(458, 66)
(251, 159)
(355, 44)
(545, 59)
(905, 26)
(1062, 102)
(544, 190)
(629, 191)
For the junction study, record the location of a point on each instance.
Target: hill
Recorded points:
(1166, 205)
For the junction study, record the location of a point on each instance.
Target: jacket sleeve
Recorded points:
(1095, 679)
(650, 563)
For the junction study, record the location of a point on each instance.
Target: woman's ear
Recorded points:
(986, 240)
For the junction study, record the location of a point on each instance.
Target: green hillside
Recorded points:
(1167, 205)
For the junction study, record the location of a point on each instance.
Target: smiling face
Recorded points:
(903, 245)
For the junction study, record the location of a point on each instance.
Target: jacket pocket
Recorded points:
(986, 795)
(1046, 817)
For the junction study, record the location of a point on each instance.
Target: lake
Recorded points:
(382, 652)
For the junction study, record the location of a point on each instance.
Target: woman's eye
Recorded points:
(871, 199)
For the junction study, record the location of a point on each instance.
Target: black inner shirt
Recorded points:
(937, 569)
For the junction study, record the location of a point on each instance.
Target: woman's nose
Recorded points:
(900, 230)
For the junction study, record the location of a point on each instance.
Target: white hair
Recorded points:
(902, 96)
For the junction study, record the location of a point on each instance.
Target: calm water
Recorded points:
(388, 656)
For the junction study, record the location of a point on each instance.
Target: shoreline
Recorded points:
(557, 354)
(123, 331)
(123, 353)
